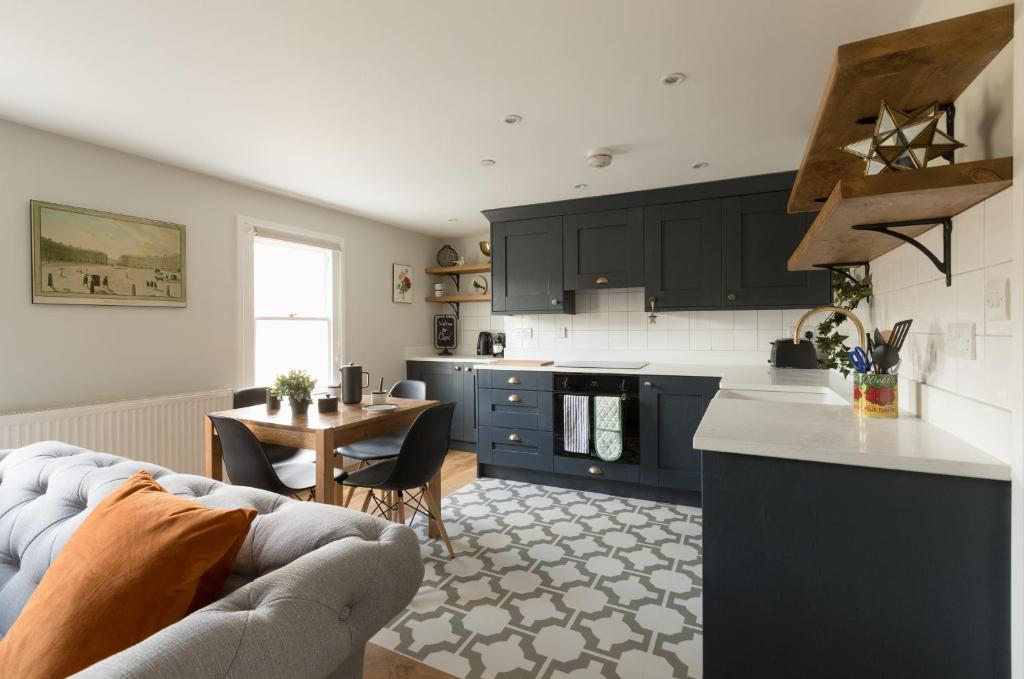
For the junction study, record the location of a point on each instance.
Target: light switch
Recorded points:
(960, 340)
(524, 333)
(997, 299)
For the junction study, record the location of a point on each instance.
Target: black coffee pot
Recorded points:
(353, 380)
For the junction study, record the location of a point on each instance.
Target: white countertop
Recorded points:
(835, 435)
(452, 359)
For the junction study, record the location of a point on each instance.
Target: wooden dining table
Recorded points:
(322, 432)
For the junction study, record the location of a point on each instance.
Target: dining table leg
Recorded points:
(434, 489)
(324, 491)
(214, 454)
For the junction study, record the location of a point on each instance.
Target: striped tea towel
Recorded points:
(608, 427)
(576, 423)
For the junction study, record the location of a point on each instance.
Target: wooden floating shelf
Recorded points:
(459, 269)
(448, 299)
(931, 193)
(908, 69)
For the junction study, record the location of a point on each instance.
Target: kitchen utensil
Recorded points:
(380, 387)
(896, 368)
(886, 334)
(353, 380)
(899, 334)
(788, 354)
(885, 357)
(878, 337)
(484, 344)
(859, 359)
(380, 407)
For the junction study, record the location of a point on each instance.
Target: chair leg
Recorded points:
(366, 500)
(401, 508)
(435, 510)
(352, 489)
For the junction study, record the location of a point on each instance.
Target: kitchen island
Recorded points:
(839, 546)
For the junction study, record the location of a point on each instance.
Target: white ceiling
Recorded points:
(384, 109)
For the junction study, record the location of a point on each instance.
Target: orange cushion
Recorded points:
(139, 562)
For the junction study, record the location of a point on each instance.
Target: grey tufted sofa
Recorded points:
(311, 585)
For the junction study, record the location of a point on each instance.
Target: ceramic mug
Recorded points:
(378, 397)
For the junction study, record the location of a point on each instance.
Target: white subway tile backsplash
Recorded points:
(969, 398)
(769, 320)
(657, 340)
(617, 301)
(618, 320)
(745, 320)
(618, 339)
(720, 320)
(637, 320)
(699, 320)
(700, 340)
(679, 340)
(637, 339)
(722, 340)
(745, 340)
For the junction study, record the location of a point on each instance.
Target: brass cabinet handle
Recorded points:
(731, 297)
(595, 470)
(515, 438)
(514, 380)
(648, 385)
(601, 280)
(514, 398)
(554, 302)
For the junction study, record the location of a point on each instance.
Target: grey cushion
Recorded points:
(312, 582)
(376, 448)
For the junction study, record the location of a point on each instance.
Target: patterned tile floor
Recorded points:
(557, 584)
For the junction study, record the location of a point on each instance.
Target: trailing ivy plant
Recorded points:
(831, 344)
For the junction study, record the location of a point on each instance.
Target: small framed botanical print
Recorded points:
(401, 283)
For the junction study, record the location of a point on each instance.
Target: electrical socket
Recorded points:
(524, 333)
(960, 340)
(997, 299)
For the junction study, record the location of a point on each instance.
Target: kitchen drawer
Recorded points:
(522, 448)
(594, 468)
(525, 380)
(516, 409)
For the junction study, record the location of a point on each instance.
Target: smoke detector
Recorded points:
(599, 158)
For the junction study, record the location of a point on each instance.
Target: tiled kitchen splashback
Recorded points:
(971, 399)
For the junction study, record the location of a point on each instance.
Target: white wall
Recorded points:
(62, 355)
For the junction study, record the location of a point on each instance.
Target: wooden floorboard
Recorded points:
(380, 663)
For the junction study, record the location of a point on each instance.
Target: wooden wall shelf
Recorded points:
(932, 63)
(459, 269)
(449, 299)
(930, 196)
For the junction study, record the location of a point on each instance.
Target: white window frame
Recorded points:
(247, 229)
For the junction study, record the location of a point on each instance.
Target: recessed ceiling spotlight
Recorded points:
(599, 158)
(672, 79)
(487, 162)
(579, 186)
(699, 166)
(453, 219)
(512, 119)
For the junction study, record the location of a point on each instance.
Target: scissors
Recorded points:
(860, 360)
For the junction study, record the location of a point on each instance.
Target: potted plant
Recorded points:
(297, 385)
(273, 400)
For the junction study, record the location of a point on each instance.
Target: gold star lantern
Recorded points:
(903, 140)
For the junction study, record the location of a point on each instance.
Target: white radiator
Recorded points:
(164, 430)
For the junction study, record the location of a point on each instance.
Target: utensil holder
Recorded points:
(876, 395)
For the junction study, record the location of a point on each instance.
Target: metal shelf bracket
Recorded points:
(944, 265)
(455, 308)
(843, 269)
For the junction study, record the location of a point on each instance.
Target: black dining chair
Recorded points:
(247, 464)
(419, 460)
(277, 454)
(385, 446)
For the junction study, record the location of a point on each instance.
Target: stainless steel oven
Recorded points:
(627, 387)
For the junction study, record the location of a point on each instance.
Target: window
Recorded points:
(291, 305)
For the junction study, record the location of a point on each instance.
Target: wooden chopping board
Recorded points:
(519, 362)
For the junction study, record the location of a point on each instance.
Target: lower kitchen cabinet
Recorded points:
(826, 570)
(451, 382)
(670, 412)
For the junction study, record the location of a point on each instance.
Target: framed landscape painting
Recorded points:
(82, 256)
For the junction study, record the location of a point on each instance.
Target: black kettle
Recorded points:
(484, 344)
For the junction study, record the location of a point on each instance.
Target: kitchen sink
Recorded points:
(820, 398)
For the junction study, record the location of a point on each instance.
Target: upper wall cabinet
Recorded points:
(683, 255)
(759, 236)
(526, 275)
(717, 245)
(604, 249)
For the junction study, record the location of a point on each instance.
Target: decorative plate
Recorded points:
(380, 407)
(447, 255)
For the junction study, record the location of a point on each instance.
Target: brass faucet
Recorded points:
(835, 310)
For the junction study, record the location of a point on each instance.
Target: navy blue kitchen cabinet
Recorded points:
(526, 276)
(758, 238)
(714, 245)
(671, 409)
(683, 255)
(451, 382)
(604, 249)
